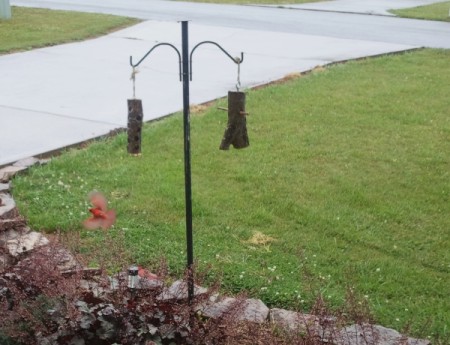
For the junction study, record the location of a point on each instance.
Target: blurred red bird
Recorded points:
(101, 216)
(143, 273)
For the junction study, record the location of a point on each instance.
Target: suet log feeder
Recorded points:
(236, 131)
(135, 117)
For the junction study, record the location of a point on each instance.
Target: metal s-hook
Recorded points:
(133, 78)
(238, 62)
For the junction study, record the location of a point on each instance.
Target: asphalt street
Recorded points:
(58, 96)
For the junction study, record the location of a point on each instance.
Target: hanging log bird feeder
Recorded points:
(236, 131)
(135, 117)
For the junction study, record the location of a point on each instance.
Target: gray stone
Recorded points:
(6, 173)
(5, 261)
(8, 208)
(375, 335)
(179, 290)
(4, 187)
(220, 307)
(8, 235)
(149, 284)
(92, 286)
(312, 325)
(65, 260)
(253, 310)
(16, 223)
(25, 243)
(26, 162)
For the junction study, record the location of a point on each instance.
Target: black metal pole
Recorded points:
(187, 158)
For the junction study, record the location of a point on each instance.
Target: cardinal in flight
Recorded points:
(101, 216)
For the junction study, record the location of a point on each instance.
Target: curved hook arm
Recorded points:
(153, 48)
(235, 60)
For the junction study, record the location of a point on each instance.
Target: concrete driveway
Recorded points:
(54, 97)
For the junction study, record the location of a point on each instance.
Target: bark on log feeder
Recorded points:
(236, 131)
(135, 117)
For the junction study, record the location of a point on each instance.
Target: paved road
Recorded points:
(321, 23)
(376, 7)
(58, 96)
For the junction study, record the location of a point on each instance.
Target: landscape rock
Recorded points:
(313, 325)
(8, 208)
(6, 173)
(4, 187)
(95, 288)
(65, 260)
(179, 290)
(5, 261)
(25, 243)
(26, 162)
(220, 307)
(149, 284)
(375, 335)
(13, 223)
(8, 235)
(253, 310)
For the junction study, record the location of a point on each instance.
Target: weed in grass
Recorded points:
(348, 166)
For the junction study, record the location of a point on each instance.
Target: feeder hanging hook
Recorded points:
(238, 62)
(133, 78)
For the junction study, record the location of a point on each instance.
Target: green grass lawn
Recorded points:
(33, 28)
(437, 11)
(347, 177)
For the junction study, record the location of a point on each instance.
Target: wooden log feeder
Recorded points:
(236, 131)
(135, 118)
